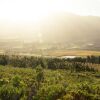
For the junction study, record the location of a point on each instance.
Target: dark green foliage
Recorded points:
(13, 89)
(84, 91)
(37, 78)
(46, 84)
(40, 74)
(75, 64)
(52, 92)
(88, 59)
(3, 60)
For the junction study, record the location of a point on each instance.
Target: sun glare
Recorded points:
(36, 10)
(22, 10)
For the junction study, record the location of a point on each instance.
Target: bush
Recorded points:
(52, 92)
(15, 90)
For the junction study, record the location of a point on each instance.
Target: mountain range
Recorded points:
(60, 28)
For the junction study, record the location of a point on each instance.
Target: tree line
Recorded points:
(75, 64)
(88, 59)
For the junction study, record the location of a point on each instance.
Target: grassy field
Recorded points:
(73, 53)
(58, 53)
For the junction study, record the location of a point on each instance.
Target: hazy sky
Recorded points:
(35, 10)
(20, 17)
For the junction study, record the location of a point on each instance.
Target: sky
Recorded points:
(19, 17)
(35, 10)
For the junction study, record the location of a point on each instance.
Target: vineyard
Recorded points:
(39, 78)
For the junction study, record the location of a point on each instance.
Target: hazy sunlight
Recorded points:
(35, 10)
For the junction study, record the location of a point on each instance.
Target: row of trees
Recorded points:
(88, 59)
(76, 64)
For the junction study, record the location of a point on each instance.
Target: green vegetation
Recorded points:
(33, 78)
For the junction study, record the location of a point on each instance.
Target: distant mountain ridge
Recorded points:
(62, 28)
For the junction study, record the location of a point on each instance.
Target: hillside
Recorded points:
(73, 31)
(71, 27)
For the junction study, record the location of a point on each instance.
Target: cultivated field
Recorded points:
(73, 53)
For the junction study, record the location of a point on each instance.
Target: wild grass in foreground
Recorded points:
(47, 84)
(33, 78)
